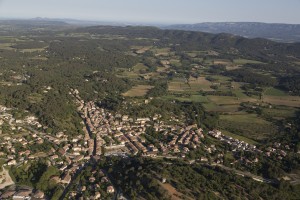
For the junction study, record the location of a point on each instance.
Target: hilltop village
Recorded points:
(106, 134)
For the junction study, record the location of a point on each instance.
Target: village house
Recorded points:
(110, 189)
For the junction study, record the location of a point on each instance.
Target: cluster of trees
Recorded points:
(136, 179)
(278, 68)
(160, 89)
(139, 178)
(191, 113)
(291, 83)
(217, 69)
(37, 174)
(248, 76)
(196, 114)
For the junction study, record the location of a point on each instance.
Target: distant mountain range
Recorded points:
(287, 33)
(276, 32)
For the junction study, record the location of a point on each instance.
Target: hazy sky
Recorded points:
(157, 11)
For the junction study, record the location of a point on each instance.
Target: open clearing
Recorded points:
(247, 125)
(5, 179)
(162, 51)
(279, 112)
(224, 108)
(181, 85)
(222, 62)
(175, 195)
(274, 92)
(190, 98)
(246, 61)
(35, 98)
(232, 67)
(235, 136)
(6, 46)
(292, 101)
(229, 100)
(134, 72)
(138, 91)
(141, 49)
(32, 50)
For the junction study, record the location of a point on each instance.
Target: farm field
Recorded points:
(279, 112)
(135, 72)
(32, 50)
(141, 49)
(239, 137)
(162, 51)
(247, 125)
(6, 46)
(222, 62)
(181, 85)
(138, 91)
(274, 92)
(245, 61)
(188, 98)
(292, 101)
(211, 107)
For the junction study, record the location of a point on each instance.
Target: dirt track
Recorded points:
(5, 180)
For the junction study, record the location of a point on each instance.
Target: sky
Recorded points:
(156, 11)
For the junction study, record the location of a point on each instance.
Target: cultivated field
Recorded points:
(245, 61)
(140, 49)
(247, 125)
(292, 101)
(138, 91)
(181, 85)
(6, 46)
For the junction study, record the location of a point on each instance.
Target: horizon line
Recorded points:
(137, 22)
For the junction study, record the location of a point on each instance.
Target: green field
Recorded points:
(138, 91)
(33, 50)
(181, 85)
(191, 98)
(247, 125)
(274, 92)
(135, 72)
(161, 51)
(239, 137)
(279, 112)
(6, 46)
(287, 100)
(245, 61)
(141, 49)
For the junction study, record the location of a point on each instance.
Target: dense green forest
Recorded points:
(139, 177)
